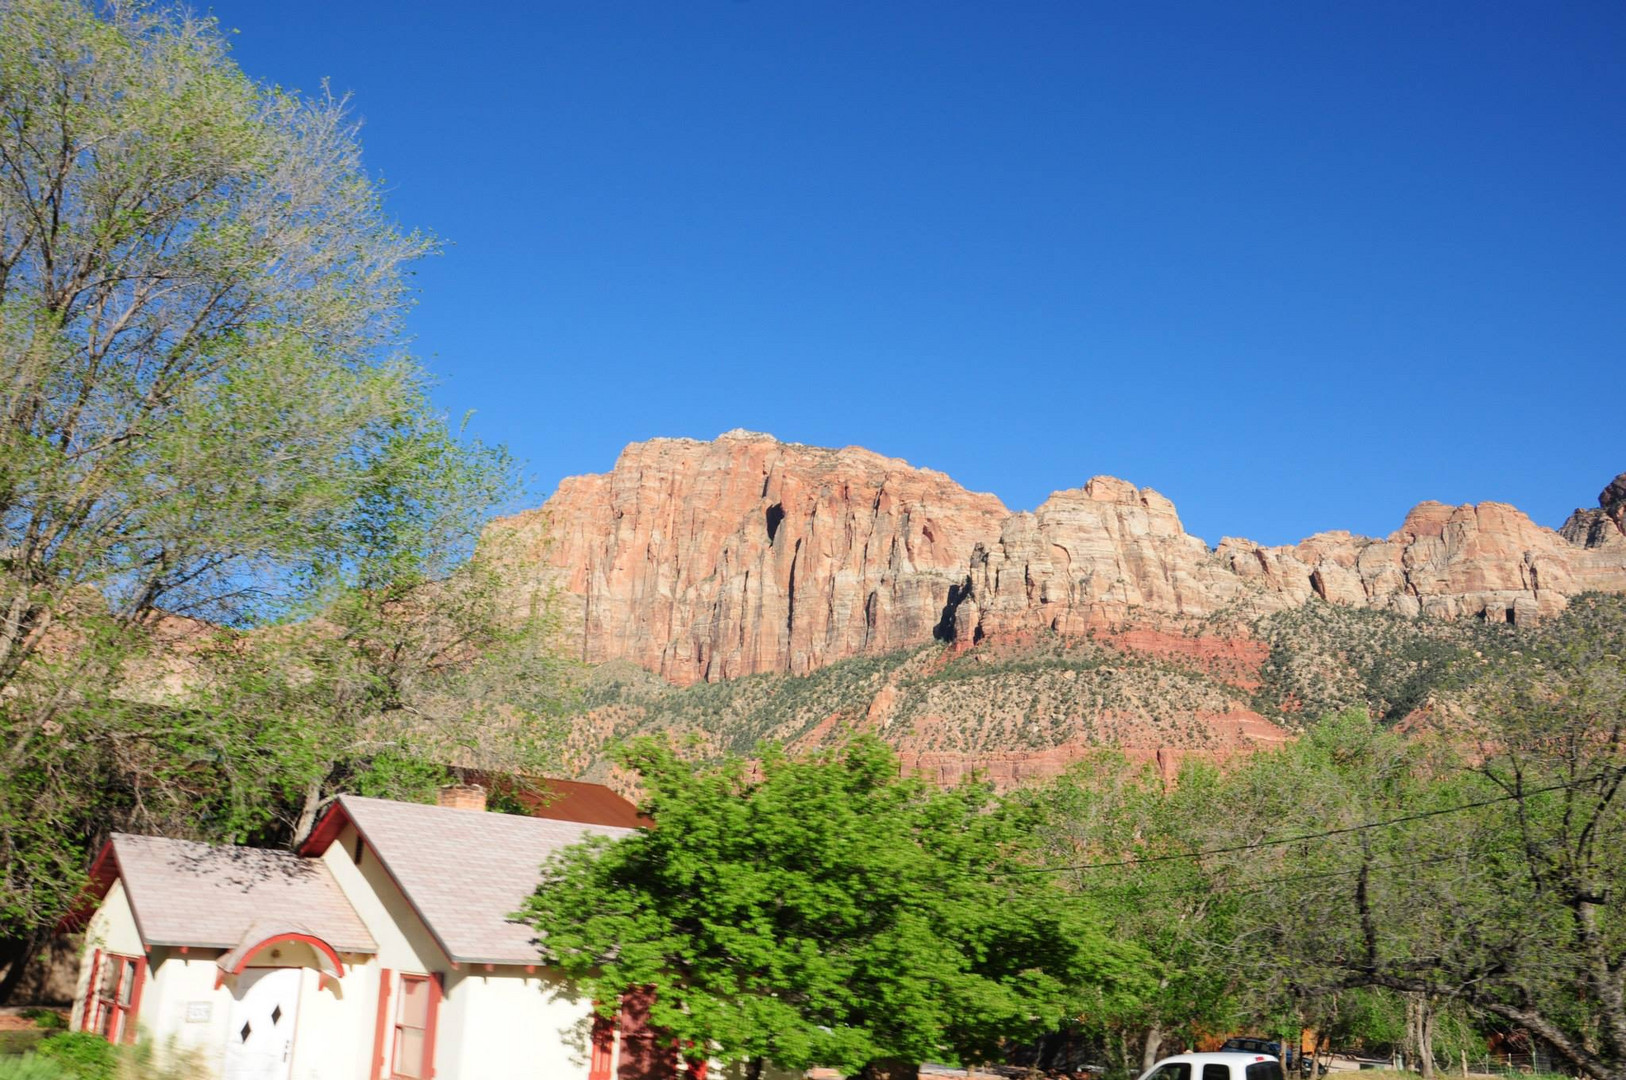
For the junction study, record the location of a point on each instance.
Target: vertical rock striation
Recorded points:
(714, 560)
(706, 561)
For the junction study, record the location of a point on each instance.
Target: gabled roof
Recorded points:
(183, 892)
(564, 800)
(463, 871)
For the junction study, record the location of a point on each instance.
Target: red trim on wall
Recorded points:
(89, 1011)
(327, 830)
(437, 990)
(603, 1054)
(277, 939)
(116, 1013)
(103, 872)
(646, 1053)
(382, 1025)
(132, 1017)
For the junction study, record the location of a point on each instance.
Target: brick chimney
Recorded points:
(462, 797)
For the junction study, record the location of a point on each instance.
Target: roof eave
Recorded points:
(103, 872)
(331, 833)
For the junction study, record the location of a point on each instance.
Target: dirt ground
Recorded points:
(11, 1020)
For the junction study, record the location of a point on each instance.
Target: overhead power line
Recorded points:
(1301, 837)
(1275, 882)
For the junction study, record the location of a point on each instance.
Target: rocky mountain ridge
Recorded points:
(707, 561)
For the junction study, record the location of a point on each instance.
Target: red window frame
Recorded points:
(433, 987)
(603, 1048)
(112, 1012)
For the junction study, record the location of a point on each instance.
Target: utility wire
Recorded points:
(1279, 842)
(1260, 886)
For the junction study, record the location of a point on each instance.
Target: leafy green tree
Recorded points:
(210, 433)
(1119, 830)
(1490, 878)
(824, 912)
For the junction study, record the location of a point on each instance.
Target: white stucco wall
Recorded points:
(333, 1039)
(403, 942)
(177, 984)
(499, 1024)
(182, 1008)
(510, 1024)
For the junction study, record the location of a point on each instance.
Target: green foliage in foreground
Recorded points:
(206, 410)
(84, 1056)
(827, 912)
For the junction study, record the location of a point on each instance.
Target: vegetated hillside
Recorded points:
(1325, 658)
(1018, 712)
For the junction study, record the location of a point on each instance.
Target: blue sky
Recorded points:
(1297, 266)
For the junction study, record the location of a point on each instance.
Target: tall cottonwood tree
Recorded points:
(1494, 877)
(208, 423)
(1113, 831)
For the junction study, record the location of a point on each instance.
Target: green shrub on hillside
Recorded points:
(1326, 658)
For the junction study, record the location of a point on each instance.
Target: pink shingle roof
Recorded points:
(466, 871)
(184, 892)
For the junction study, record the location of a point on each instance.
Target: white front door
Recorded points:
(260, 1038)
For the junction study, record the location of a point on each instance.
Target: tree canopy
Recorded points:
(234, 532)
(824, 911)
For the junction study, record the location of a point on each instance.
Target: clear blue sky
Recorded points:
(1297, 266)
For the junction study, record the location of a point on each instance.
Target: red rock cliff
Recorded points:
(713, 560)
(706, 561)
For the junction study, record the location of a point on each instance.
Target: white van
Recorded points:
(1226, 1065)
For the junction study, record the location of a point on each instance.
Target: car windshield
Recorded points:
(1176, 1070)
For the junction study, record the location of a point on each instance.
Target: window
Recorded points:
(114, 996)
(1265, 1070)
(603, 1049)
(415, 1028)
(1174, 1070)
(1216, 1071)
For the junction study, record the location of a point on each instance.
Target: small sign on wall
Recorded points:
(198, 1012)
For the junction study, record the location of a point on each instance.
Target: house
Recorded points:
(382, 949)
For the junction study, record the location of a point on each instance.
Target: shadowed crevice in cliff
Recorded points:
(944, 630)
(790, 592)
(775, 516)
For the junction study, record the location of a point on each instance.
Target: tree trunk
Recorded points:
(890, 1069)
(1150, 1048)
(753, 1068)
(15, 956)
(307, 812)
(1425, 1035)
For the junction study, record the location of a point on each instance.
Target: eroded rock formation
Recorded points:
(1605, 526)
(1110, 552)
(715, 560)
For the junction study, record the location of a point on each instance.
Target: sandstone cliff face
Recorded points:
(1605, 526)
(708, 561)
(1088, 558)
(715, 560)
(1111, 552)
